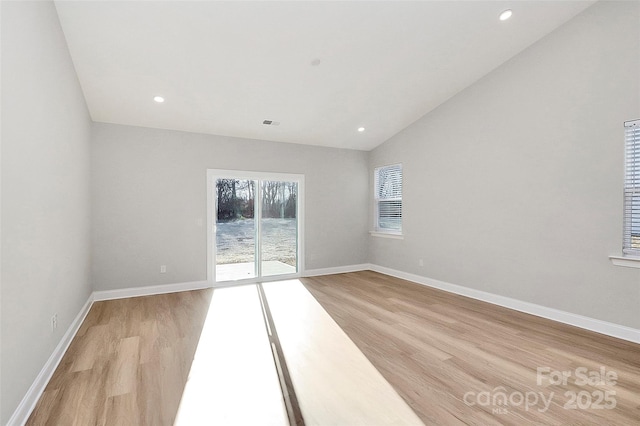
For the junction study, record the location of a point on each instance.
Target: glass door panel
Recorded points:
(278, 227)
(235, 235)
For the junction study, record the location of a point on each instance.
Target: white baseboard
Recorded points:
(587, 323)
(122, 293)
(28, 403)
(337, 270)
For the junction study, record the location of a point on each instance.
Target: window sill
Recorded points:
(386, 235)
(626, 261)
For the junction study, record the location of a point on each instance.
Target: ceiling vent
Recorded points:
(271, 123)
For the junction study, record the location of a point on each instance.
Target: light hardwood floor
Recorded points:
(233, 380)
(334, 382)
(434, 347)
(130, 361)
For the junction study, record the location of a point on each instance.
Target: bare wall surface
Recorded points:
(45, 194)
(514, 186)
(149, 201)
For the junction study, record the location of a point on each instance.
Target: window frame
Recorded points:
(377, 229)
(631, 187)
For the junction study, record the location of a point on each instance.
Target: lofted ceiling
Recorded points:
(320, 69)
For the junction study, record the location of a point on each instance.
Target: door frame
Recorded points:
(212, 176)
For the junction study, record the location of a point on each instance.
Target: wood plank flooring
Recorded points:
(334, 382)
(233, 379)
(130, 361)
(435, 347)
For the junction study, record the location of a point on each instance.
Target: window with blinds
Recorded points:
(631, 245)
(388, 199)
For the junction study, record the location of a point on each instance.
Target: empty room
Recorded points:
(319, 212)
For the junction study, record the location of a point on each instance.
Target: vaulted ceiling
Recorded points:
(320, 69)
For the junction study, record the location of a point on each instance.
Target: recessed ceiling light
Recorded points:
(158, 99)
(361, 129)
(506, 15)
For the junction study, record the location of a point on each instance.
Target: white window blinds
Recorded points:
(631, 245)
(388, 198)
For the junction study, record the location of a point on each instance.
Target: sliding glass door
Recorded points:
(235, 229)
(278, 227)
(254, 225)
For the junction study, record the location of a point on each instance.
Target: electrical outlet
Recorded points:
(54, 322)
(421, 262)
(163, 269)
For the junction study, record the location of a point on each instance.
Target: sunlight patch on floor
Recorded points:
(334, 382)
(233, 380)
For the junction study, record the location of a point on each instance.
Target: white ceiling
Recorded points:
(224, 67)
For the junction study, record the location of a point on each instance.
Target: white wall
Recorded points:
(149, 192)
(45, 194)
(514, 186)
